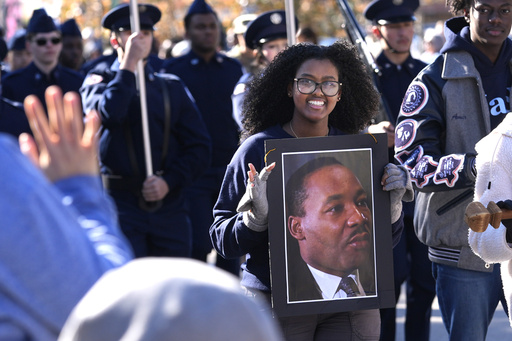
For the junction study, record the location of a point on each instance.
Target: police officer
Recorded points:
(44, 42)
(12, 116)
(211, 78)
(393, 26)
(71, 55)
(151, 209)
(266, 35)
(18, 56)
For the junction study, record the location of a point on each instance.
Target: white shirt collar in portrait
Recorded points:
(329, 283)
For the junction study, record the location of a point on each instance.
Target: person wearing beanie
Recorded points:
(71, 55)
(393, 27)
(44, 42)
(211, 77)
(151, 207)
(18, 56)
(266, 36)
(190, 300)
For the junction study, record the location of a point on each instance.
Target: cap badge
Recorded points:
(276, 18)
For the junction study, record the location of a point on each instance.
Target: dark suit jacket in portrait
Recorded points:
(302, 285)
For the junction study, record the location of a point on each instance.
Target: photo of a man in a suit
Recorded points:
(330, 240)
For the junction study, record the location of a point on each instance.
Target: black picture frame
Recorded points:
(366, 155)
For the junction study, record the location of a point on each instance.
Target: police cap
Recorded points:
(266, 27)
(17, 41)
(70, 28)
(118, 18)
(199, 7)
(41, 22)
(383, 12)
(241, 22)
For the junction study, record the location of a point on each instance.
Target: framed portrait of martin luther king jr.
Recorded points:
(329, 225)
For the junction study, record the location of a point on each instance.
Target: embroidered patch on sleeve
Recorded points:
(405, 133)
(423, 171)
(409, 159)
(448, 169)
(415, 99)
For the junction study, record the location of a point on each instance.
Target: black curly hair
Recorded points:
(267, 102)
(457, 6)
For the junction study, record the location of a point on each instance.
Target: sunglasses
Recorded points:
(43, 41)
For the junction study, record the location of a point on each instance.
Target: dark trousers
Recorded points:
(411, 265)
(200, 198)
(165, 232)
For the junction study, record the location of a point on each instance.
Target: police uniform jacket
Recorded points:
(444, 114)
(394, 80)
(31, 81)
(12, 118)
(212, 84)
(112, 92)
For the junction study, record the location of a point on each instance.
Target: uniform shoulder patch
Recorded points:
(415, 98)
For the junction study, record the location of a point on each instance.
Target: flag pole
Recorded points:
(290, 22)
(141, 84)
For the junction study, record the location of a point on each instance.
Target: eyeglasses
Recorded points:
(43, 41)
(307, 87)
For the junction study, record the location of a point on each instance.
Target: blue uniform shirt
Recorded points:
(30, 80)
(395, 80)
(112, 92)
(12, 118)
(211, 85)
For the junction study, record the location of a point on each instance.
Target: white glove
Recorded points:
(397, 181)
(254, 204)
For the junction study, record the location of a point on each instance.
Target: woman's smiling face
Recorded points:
(316, 106)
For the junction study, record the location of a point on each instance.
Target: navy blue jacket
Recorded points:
(211, 85)
(112, 92)
(30, 80)
(12, 118)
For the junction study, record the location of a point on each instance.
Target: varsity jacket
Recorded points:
(443, 116)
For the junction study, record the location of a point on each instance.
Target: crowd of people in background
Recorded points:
(177, 170)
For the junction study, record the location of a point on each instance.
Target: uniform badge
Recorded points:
(423, 171)
(415, 99)
(448, 169)
(405, 134)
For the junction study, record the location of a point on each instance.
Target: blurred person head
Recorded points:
(43, 40)
(267, 36)
(202, 29)
(72, 52)
(169, 299)
(19, 56)
(393, 25)
(117, 20)
(307, 35)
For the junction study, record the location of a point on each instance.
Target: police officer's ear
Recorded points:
(376, 32)
(295, 227)
(113, 40)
